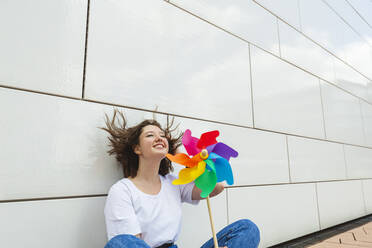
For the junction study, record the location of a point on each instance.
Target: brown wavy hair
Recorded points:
(123, 140)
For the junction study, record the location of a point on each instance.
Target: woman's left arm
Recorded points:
(196, 191)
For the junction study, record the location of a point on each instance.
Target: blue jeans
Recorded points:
(240, 234)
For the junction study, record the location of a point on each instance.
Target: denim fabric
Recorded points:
(126, 241)
(240, 234)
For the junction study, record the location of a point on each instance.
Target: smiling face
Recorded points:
(152, 143)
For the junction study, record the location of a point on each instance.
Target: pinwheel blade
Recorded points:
(196, 159)
(189, 143)
(210, 165)
(188, 175)
(207, 139)
(183, 159)
(224, 171)
(213, 155)
(224, 151)
(206, 182)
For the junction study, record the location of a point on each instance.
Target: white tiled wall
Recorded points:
(367, 121)
(288, 85)
(299, 50)
(314, 160)
(177, 65)
(42, 45)
(367, 190)
(243, 18)
(334, 209)
(53, 223)
(286, 10)
(196, 228)
(334, 34)
(342, 115)
(358, 162)
(55, 147)
(279, 211)
(285, 98)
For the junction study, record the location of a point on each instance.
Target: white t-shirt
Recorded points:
(128, 210)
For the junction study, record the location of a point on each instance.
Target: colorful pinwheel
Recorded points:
(209, 163)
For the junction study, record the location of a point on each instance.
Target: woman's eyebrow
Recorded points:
(160, 132)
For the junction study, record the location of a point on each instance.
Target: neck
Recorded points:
(148, 170)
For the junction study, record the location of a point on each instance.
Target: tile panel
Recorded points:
(339, 202)
(54, 144)
(281, 212)
(314, 160)
(43, 48)
(72, 223)
(184, 66)
(285, 98)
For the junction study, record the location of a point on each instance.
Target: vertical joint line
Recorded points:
(317, 205)
(322, 105)
(364, 198)
(227, 207)
(299, 14)
(250, 77)
(85, 50)
(345, 163)
(277, 29)
(363, 126)
(289, 167)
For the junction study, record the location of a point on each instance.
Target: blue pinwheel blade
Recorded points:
(224, 171)
(213, 156)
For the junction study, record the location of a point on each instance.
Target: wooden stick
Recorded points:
(212, 224)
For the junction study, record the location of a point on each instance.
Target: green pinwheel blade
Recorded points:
(211, 165)
(206, 182)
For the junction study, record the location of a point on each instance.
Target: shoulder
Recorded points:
(120, 187)
(168, 178)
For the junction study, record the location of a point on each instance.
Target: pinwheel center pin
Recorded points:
(204, 154)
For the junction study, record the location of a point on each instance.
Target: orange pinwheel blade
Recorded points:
(196, 159)
(207, 139)
(183, 159)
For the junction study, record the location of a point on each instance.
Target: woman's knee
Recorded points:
(249, 226)
(126, 241)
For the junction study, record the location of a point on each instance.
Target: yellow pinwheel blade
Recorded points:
(188, 175)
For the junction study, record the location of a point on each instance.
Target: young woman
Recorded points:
(144, 208)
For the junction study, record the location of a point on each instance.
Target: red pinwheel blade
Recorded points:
(207, 139)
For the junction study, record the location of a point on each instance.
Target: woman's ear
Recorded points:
(137, 149)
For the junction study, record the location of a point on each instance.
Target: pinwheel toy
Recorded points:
(208, 165)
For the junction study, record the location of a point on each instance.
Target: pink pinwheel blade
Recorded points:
(224, 151)
(190, 142)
